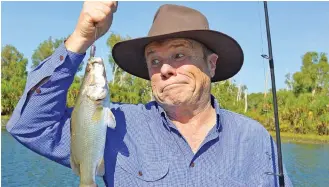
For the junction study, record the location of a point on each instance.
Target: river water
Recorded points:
(307, 165)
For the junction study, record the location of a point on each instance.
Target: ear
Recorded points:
(212, 61)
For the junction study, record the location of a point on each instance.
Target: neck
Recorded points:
(201, 111)
(194, 122)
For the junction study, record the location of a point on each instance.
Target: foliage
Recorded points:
(124, 86)
(314, 74)
(73, 91)
(46, 49)
(304, 106)
(13, 78)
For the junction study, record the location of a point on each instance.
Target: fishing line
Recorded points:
(93, 47)
(261, 36)
(264, 67)
(262, 49)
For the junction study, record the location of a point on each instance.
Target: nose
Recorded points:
(167, 71)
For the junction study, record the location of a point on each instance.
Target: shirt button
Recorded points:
(38, 90)
(61, 58)
(140, 173)
(192, 165)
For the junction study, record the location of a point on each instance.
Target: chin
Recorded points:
(175, 96)
(177, 99)
(171, 102)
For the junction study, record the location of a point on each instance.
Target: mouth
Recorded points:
(171, 86)
(99, 100)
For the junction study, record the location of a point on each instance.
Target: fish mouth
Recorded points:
(97, 94)
(96, 60)
(97, 89)
(98, 101)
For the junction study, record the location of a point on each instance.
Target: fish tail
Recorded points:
(88, 185)
(87, 177)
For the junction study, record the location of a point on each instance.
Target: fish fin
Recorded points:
(100, 169)
(97, 115)
(109, 118)
(75, 167)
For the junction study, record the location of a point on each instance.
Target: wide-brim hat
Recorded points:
(174, 21)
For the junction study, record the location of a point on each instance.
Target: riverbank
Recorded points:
(301, 138)
(4, 120)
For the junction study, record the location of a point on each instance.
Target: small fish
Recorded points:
(90, 119)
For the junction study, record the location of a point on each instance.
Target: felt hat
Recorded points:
(174, 21)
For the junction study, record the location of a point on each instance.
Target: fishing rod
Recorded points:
(275, 105)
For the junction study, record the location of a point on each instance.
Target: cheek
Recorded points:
(199, 75)
(155, 79)
(192, 70)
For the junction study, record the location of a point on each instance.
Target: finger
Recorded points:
(105, 23)
(97, 16)
(111, 4)
(101, 7)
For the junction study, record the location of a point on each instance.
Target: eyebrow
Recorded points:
(174, 45)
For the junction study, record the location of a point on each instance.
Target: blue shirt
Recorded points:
(145, 149)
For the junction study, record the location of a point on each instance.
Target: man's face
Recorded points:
(179, 71)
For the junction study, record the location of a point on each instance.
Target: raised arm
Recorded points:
(41, 120)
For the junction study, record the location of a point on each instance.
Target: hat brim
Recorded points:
(129, 54)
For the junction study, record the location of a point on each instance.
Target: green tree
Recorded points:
(229, 95)
(73, 91)
(117, 73)
(13, 78)
(46, 49)
(124, 86)
(314, 74)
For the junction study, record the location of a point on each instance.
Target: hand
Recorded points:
(95, 18)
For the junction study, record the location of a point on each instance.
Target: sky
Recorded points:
(296, 28)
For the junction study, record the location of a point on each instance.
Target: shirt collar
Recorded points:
(169, 124)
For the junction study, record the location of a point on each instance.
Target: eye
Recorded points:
(88, 68)
(179, 56)
(155, 62)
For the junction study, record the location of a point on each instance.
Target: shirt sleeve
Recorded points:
(41, 119)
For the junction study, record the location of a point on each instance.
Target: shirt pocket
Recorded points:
(144, 169)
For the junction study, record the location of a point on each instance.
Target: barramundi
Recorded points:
(90, 119)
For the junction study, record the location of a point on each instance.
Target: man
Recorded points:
(183, 138)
